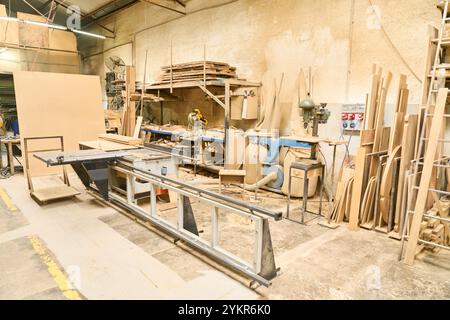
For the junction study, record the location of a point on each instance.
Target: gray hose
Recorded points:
(263, 182)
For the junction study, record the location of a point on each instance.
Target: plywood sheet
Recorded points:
(62, 40)
(31, 35)
(56, 104)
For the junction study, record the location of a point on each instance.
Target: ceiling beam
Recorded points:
(62, 4)
(96, 20)
(164, 6)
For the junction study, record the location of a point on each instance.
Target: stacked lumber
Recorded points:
(196, 71)
(113, 119)
(384, 175)
(374, 138)
(342, 199)
(129, 109)
(433, 230)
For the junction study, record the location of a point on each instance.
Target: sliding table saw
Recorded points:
(128, 178)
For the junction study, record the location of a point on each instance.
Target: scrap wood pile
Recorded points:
(343, 196)
(377, 192)
(370, 195)
(129, 110)
(433, 230)
(196, 71)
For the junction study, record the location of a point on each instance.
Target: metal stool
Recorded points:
(306, 167)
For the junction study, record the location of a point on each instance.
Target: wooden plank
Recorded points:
(422, 194)
(358, 187)
(409, 135)
(397, 131)
(9, 30)
(367, 137)
(56, 104)
(121, 139)
(137, 128)
(105, 145)
(32, 35)
(401, 86)
(131, 108)
(197, 64)
(54, 193)
(385, 138)
(367, 203)
(386, 183)
(372, 106)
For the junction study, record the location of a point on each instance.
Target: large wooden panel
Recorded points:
(56, 104)
(31, 35)
(9, 30)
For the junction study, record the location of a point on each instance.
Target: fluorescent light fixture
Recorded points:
(88, 34)
(47, 25)
(9, 18)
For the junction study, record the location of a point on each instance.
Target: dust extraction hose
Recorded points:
(263, 182)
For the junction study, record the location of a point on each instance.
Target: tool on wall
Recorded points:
(114, 80)
(196, 117)
(247, 94)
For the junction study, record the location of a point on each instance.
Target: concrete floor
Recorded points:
(105, 255)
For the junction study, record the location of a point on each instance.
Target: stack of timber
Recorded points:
(196, 71)
(343, 196)
(379, 197)
(129, 109)
(433, 230)
(374, 139)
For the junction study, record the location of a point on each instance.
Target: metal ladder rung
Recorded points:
(430, 243)
(432, 217)
(443, 66)
(436, 165)
(439, 140)
(445, 193)
(432, 115)
(444, 42)
(439, 76)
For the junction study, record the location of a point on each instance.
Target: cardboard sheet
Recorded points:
(56, 104)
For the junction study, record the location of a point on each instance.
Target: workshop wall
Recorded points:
(266, 38)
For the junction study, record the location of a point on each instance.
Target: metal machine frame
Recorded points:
(95, 171)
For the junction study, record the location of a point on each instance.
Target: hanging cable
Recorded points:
(393, 45)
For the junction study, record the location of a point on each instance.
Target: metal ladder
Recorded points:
(435, 81)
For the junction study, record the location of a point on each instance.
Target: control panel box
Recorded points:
(352, 117)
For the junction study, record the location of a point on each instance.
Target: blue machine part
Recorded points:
(274, 145)
(277, 184)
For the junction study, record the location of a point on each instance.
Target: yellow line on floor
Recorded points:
(56, 273)
(7, 200)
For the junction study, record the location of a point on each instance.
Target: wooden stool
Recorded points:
(231, 177)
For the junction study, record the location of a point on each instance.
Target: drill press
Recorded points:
(313, 114)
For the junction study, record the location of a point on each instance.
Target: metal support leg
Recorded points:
(305, 196)
(322, 187)
(289, 193)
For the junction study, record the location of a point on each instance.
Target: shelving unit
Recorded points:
(223, 100)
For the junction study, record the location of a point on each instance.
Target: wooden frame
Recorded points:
(45, 195)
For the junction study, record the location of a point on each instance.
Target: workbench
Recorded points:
(9, 142)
